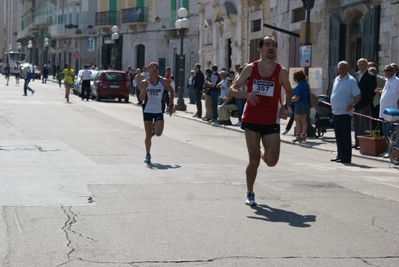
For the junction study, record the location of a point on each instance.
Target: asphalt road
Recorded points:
(75, 192)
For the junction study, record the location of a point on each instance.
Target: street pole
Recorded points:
(180, 102)
(308, 4)
(181, 24)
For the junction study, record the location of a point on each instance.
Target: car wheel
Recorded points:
(98, 98)
(119, 99)
(127, 99)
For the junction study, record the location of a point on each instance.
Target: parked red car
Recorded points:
(110, 84)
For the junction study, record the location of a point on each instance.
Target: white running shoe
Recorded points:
(250, 199)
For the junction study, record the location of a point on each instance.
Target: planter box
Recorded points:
(371, 146)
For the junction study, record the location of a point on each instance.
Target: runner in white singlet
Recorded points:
(151, 96)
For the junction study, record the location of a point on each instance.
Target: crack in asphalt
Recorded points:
(374, 224)
(69, 232)
(137, 263)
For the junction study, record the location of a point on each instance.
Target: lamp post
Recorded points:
(30, 45)
(46, 46)
(9, 48)
(115, 37)
(181, 24)
(19, 46)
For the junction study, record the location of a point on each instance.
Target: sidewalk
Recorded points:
(325, 143)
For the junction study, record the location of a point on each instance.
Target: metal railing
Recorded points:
(107, 18)
(133, 15)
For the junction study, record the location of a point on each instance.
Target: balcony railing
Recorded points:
(43, 15)
(135, 15)
(107, 18)
(24, 33)
(81, 32)
(58, 30)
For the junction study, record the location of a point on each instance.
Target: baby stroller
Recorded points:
(323, 118)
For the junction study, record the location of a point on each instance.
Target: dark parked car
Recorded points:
(110, 84)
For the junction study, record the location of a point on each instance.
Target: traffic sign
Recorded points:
(76, 55)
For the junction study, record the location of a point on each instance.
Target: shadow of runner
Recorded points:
(270, 214)
(158, 166)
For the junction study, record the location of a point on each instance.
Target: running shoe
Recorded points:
(250, 199)
(147, 158)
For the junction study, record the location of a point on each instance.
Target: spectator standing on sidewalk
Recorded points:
(375, 109)
(56, 69)
(59, 78)
(138, 78)
(389, 99)
(190, 86)
(367, 84)
(45, 74)
(198, 84)
(214, 92)
(345, 95)
(86, 77)
(301, 101)
(207, 95)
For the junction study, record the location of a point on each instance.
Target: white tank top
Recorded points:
(153, 101)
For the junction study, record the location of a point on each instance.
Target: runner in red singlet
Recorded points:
(264, 108)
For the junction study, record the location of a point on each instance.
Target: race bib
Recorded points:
(67, 76)
(263, 88)
(154, 92)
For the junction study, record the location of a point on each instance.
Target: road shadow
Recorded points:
(159, 166)
(270, 214)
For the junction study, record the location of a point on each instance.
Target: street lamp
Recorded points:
(46, 46)
(9, 47)
(181, 24)
(30, 45)
(19, 46)
(115, 37)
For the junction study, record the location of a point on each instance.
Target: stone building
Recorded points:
(221, 32)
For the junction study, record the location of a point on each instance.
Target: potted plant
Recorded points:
(372, 144)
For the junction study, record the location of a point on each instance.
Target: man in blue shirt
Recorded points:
(345, 95)
(28, 77)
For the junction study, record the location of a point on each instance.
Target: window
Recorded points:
(298, 14)
(256, 25)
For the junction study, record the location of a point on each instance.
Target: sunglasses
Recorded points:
(153, 67)
(388, 70)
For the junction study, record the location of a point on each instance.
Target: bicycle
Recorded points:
(391, 115)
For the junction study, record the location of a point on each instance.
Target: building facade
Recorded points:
(221, 32)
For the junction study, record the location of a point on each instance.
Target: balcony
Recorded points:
(74, 2)
(81, 32)
(58, 30)
(107, 19)
(23, 34)
(135, 17)
(43, 15)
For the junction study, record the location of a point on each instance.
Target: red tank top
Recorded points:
(266, 112)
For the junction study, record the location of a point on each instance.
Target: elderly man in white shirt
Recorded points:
(389, 99)
(86, 76)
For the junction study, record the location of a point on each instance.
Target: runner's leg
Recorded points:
(253, 141)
